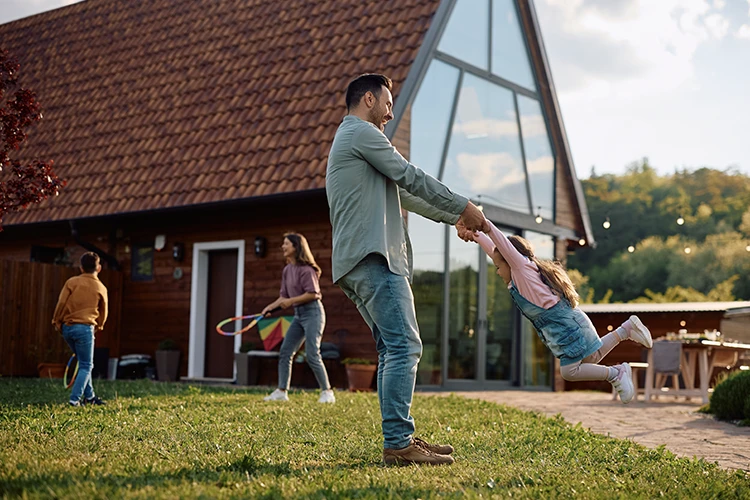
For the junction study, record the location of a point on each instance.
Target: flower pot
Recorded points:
(360, 376)
(167, 365)
(51, 370)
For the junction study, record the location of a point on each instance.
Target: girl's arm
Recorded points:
(497, 239)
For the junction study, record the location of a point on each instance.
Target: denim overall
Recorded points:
(567, 332)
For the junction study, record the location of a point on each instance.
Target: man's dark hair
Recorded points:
(89, 262)
(370, 82)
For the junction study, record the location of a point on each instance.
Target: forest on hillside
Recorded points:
(671, 238)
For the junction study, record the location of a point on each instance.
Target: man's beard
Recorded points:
(376, 119)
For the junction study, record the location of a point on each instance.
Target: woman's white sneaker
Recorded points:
(277, 395)
(639, 333)
(327, 397)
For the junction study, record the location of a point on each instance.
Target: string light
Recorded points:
(747, 248)
(631, 249)
(538, 217)
(680, 220)
(606, 224)
(582, 242)
(688, 250)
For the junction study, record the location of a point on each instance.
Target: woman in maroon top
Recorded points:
(300, 288)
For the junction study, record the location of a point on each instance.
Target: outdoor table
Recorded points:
(701, 353)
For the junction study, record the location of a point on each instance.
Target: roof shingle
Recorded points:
(156, 103)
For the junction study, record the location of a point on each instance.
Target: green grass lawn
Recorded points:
(156, 440)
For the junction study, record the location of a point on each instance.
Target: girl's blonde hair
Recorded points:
(552, 272)
(302, 253)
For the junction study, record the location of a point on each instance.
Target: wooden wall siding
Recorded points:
(28, 296)
(157, 309)
(402, 137)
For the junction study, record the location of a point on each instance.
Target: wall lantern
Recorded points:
(260, 246)
(178, 252)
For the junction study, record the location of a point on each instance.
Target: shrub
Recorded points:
(168, 345)
(731, 397)
(356, 361)
(247, 346)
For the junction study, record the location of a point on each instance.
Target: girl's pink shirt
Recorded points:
(523, 272)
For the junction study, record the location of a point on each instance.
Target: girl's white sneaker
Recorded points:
(277, 395)
(639, 333)
(327, 397)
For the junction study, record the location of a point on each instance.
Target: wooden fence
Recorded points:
(28, 296)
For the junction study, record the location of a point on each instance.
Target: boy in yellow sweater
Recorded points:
(81, 311)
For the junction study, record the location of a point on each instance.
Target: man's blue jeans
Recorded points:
(80, 338)
(386, 303)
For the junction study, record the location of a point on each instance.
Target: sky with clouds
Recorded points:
(663, 79)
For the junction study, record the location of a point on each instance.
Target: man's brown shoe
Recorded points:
(414, 454)
(441, 449)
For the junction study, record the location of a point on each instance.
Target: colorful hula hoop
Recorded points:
(67, 384)
(253, 317)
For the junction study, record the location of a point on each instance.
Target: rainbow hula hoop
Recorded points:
(253, 317)
(67, 384)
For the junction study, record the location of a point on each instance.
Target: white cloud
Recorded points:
(743, 32)
(719, 4)
(541, 165)
(490, 172)
(630, 48)
(486, 127)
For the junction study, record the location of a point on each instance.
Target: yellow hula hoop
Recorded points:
(75, 373)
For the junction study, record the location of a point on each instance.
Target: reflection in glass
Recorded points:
(537, 360)
(430, 116)
(462, 318)
(484, 156)
(466, 35)
(428, 239)
(510, 59)
(540, 163)
(501, 312)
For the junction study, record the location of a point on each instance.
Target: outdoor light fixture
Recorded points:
(260, 246)
(631, 249)
(747, 248)
(538, 217)
(680, 220)
(582, 242)
(178, 251)
(606, 224)
(688, 250)
(682, 323)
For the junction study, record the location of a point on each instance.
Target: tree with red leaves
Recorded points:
(20, 185)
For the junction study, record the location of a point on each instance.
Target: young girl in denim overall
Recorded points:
(544, 293)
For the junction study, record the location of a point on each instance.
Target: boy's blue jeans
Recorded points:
(386, 303)
(80, 338)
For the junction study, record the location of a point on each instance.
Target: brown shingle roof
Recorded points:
(156, 103)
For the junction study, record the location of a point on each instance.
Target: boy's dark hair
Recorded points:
(369, 82)
(89, 262)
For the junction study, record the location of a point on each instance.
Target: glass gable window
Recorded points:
(428, 239)
(537, 358)
(540, 163)
(463, 312)
(510, 59)
(484, 157)
(466, 35)
(431, 116)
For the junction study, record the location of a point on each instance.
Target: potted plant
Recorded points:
(360, 373)
(247, 372)
(167, 360)
(52, 364)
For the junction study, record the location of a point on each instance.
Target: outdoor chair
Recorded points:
(665, 359)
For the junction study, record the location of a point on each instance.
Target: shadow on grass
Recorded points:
(23, 392)
(228, 475)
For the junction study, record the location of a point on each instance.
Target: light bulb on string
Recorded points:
(688, 250)
(631, 249)
(606, 224)
(680, 220)
(582, 241)
(747, 248)
(538, 217)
